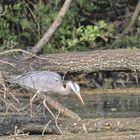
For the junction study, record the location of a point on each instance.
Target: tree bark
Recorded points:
(93, 61)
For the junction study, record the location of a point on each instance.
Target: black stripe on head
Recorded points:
(75, 85)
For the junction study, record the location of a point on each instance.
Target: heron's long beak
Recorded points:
(80, 97)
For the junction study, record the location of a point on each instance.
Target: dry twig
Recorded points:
(45, 127)
(18, 133)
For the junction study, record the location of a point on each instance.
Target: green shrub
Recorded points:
(24, 23)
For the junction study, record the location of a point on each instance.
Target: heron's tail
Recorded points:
(13, 79)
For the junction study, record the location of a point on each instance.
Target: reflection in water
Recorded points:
(108, 105)
(112, 105)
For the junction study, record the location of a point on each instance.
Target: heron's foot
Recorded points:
(57, 120)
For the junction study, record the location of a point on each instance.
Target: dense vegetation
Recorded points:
(88, 25)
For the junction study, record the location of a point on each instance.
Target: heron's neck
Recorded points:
(66, 91)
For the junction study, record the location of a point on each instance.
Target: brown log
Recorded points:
(93, 61)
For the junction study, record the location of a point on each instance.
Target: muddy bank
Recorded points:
(105, 115)
(114, 129)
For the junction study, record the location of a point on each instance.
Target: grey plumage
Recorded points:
(46, 81)
(39, 80)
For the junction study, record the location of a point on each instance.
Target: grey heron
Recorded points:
(47, 82)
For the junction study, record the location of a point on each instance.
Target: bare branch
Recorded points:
(46, 37)
(133, 19)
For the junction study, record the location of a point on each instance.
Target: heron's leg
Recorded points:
(44, 103)
(31, 100)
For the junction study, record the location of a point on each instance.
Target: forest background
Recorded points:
(88, 25)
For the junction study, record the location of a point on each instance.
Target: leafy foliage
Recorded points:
(128, 42)
(86, 34)
(24, 22)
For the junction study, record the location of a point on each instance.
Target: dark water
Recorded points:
(105, 105)
(118, 105)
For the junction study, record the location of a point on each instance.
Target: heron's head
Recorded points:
(76, 88)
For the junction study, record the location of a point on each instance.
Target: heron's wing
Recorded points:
(40, 80)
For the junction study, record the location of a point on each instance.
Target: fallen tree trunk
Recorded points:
(93, 61)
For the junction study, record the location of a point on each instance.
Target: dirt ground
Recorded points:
(94, 129)
(102, 136)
